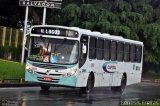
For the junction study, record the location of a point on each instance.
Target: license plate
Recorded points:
(47, 78)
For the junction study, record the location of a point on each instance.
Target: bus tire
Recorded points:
(120, 88)
(45, 88)
(90, 84)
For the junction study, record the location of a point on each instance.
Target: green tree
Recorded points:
(134, 19)
(121, 6)
(89, 15)
(71, 15)
(10, 13)
(150, 35)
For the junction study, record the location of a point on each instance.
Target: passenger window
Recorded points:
(107, 51)
(100, 49)
(133, 53)
(138, 53)
(92, 48)
(113, 50)
(120, 51)
(126, 52)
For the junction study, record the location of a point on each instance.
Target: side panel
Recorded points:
(108, 78)
(116, 79)
(101, 77)
(130, 73)
(94, 65)
(134, 72)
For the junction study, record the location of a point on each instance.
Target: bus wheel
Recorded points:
(45, 88)
(120, 88)
(90, 84)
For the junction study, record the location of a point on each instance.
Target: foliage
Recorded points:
(71, 15)
(15, 70)
(131, 19)
(134, 19)
(10, 13)
(10, 52)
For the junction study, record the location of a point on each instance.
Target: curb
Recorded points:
(18, 85)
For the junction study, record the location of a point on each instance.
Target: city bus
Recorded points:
(81, 58)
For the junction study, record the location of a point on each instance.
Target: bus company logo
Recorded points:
(110, 67)
(47, 72)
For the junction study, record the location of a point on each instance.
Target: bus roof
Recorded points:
(93, 33)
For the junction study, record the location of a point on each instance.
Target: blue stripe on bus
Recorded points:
(68, 81)
(30, 77)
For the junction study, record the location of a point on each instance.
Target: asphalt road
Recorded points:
(58, 96)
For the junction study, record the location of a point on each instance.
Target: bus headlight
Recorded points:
(30, 69)
(70, 73)
(27, 67)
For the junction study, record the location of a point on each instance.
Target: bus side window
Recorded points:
(138, 53)
(113, 50)
(92, 48)
(100, 49)
(107, 52)
(133, 53)
(120, 51)
(126, 52)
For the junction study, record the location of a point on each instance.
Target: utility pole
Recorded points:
(45, 5)
(44, 15)
(24, 35)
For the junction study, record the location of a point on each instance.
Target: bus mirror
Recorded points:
(84, 49)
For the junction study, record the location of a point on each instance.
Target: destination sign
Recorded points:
(40, 4)
(54, 31)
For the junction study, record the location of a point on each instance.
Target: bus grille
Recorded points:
(40, 73)
(49, 66)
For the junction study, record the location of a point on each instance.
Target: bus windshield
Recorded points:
(49, 50)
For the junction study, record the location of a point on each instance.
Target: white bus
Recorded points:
(75, 57)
